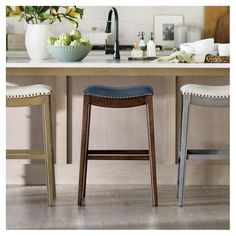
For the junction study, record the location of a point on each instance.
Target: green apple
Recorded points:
(84, 41)
(75, 34)
(65, 37)
(75, 43)
(51, 40)
(61, 42)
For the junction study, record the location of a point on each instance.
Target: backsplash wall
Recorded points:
(131, 20)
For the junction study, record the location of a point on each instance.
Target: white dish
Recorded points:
(204, 46)
(187, 47)
(224, 49)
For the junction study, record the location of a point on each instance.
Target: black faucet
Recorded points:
(115, 51)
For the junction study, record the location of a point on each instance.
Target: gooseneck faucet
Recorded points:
(116, 50)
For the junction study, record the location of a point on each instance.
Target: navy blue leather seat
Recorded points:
(118, 92)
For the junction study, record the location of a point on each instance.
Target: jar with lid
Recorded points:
(180, 34)
(194, 34)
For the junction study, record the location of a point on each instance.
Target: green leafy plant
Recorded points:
(39, 14)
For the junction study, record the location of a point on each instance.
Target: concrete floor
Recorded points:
(117, 207)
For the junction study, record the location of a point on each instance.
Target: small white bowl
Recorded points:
(204, 46)
(187, 47)
(224, 49)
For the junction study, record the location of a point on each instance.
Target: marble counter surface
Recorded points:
(97, 59)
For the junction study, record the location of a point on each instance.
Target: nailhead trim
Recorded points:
(208, 96)
(139, 95)
(27, 95)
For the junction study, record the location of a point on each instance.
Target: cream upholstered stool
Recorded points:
(117, 97)
(200, 95)
(33, 95)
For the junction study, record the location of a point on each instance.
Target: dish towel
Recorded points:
(182, 57)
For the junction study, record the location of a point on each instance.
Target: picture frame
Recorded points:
(164, 29)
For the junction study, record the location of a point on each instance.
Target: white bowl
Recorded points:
(69, 53)
(224, 49)
(187, 47)
(204, 46)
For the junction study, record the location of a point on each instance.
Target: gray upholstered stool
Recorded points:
(34, 95)
(113, 97)
(200, 95)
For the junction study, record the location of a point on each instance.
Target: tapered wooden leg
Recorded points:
(84, 145)
(177, 192)
(87, 146)
(179, 147)
(53, 157)
(152, 153)
(183, 148)
(49, 161)
(85, 177)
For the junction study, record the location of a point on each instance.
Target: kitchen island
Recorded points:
(68, 80)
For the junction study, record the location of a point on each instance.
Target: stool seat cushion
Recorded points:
(118, 92)
(28, 91)
(206, 91)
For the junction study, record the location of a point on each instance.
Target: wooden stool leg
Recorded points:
(179, 147)
(183, 148)
(53, 157)
(49, 161)
(85, 177)
(87, 146)
(84, 146)
(152, 154)
(177, 192)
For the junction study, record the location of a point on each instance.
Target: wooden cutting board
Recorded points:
(216, 23)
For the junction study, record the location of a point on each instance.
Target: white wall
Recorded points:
(132, 20)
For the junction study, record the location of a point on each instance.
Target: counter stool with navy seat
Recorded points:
(35, 95)
(116, 97)
(199, 95)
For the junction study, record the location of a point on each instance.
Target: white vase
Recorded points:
(36, 40)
